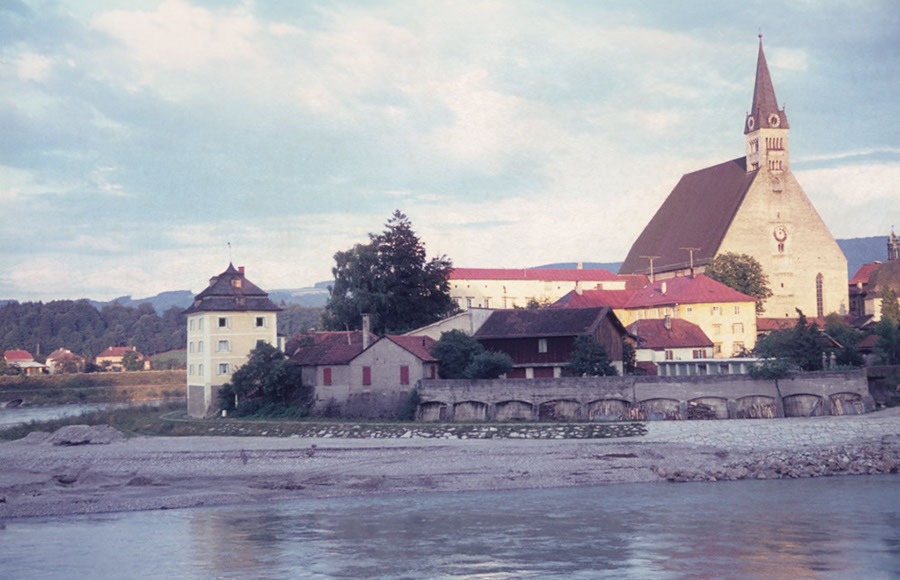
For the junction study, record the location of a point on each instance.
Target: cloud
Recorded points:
(33, 67)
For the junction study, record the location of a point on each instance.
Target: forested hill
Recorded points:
(41, 328)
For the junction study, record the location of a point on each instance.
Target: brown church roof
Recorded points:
(764, 103)
(697, 214)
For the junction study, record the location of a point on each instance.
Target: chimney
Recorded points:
(580, 266)
(578, 289)
(663, 288)
(667, 322)
(365, 331)
(241, 270)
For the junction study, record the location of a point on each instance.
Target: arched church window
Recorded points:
(819, 298)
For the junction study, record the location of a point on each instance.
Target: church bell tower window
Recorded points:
(820, 310)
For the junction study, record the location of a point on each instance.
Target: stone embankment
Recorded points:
(428, 431)
(820, 462)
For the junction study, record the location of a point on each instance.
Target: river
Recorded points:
(9, 417)
(847, 527)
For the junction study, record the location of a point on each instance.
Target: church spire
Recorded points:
(764, 112)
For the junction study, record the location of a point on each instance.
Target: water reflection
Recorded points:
(837, 527)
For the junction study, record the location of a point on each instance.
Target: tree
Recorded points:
(849, 338)
(890, 309)
(629, 357)
(742, 273)
(390, 280)
(489, 365)
(455, 351)
(802, 345)
(590, 359)
(268, 384)
(887, 348)
(132, 361)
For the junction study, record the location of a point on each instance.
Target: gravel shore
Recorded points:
(39, 478)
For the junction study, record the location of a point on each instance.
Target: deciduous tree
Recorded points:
(890, 309)
(742, 273)
(268, 384)
(590, 359)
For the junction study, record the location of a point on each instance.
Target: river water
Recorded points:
(10, 417)
(846, 527)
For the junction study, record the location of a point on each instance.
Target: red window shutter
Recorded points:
(367, 375)
(404, 375)
(326, 376)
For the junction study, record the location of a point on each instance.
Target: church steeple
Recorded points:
(766, 125)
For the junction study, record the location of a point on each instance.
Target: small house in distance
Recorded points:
(224, 324)
(113, 357)
(23, 360)
(63, 360)
(541, 342)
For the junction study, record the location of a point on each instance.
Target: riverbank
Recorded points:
(41, 479)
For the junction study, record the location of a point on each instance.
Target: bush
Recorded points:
(410, 406)
(771, 369)
(489, 365)
(268, 385)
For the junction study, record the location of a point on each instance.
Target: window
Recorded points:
(326, 376)
(190, 347)
(223, 322)
(191, 370)
(542, 345)
(200, 324)
(670, 355)
(223, 368)
(717, 329)
(468, 302)
(737, 309)
(487, 302)
(737, 347)
(367, 375)
(689, 309)
(200, 346)
(717, 348)
(235, 282)
(820, 302)
(223, 346)
(699, 353)
(780, 248)
(260, 321)
(716, 311)
(737, 328)
(191, 324)
(200, 370)
(404, 375)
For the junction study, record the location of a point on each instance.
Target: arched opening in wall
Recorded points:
(470, 411)
(513, 411)
(847, 404)
(563, 410)
(820, 302)
(660, 410)
(707, 408)
(433, 411)
(755, 407)
(803, 405)
(608, 410)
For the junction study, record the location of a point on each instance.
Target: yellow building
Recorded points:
(224, 324)
(509, 288)
(750, 205)
(725, 315)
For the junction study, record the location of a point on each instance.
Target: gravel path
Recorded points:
(40, 479)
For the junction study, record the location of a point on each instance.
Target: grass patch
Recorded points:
(140, 420)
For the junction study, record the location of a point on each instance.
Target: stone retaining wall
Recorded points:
(653, 398)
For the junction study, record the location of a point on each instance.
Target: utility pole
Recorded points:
(651, 258)
(692, 250)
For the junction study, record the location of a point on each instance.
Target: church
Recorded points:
(750, 205)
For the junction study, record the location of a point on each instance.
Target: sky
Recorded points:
(139, 138)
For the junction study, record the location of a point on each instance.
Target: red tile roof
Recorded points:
(594, 298)
(681, 334)
(542, 274)
(696, 214)
(420, 346)
(770, 324)
(336, 347)
(117, 351)
(862, 275)
(17, 355)
(685, 290)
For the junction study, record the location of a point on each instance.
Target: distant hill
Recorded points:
(316, 296)
(861, 251)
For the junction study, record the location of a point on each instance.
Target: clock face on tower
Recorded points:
(751, 122)
(780, 233)
(774, 120)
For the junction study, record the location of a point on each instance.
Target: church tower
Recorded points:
(766, 127)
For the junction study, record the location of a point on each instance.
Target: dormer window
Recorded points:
(236, 282)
